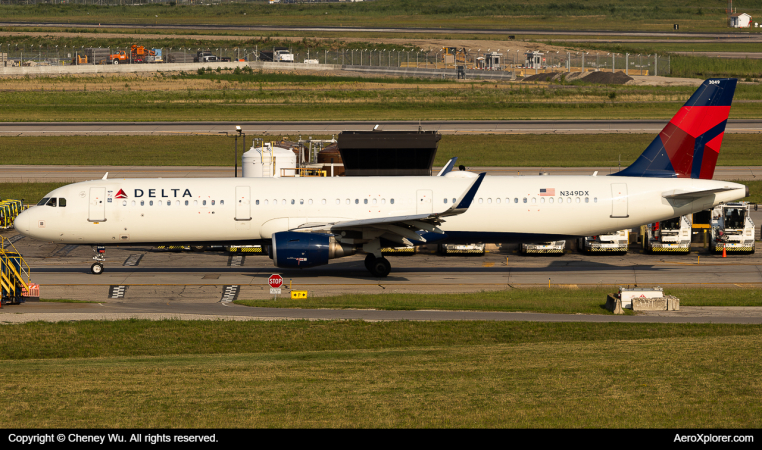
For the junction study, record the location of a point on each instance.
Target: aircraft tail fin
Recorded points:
(689, 145)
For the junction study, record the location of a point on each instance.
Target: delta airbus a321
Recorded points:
(305, 222)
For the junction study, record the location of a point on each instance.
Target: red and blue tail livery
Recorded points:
(689, 145)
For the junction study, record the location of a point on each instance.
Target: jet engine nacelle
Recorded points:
(299, 250)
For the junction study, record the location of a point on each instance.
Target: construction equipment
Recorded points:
(555, 248)
(613, 243)
(673, 235)
(461, 249)
(15, 283)
(140, 54)
(732, 228)
(79, 60)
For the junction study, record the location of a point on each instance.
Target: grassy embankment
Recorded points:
(570, 300)
(243, 96)
(207, 374)
(505, 150)
(701, 15)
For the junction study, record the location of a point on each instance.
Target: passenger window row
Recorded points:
(348, 201)
(534, 201)
(177, 203)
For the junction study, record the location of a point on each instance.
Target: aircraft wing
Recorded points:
(402, 229)
(681, 194)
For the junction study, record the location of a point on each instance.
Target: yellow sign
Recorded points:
(298, 294)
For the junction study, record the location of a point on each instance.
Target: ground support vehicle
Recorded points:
(616, 243)
(668, 236)
(246, 249)
(398, 251)
(9, 210)
(555, 248)
(732, 228)
(461, 249)
(15, 283)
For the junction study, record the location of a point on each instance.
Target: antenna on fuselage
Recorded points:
(105, 176)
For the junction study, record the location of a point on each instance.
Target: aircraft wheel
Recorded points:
(380, 267)
(369, 261)
(96, 268)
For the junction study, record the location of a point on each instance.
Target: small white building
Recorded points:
(742, 20)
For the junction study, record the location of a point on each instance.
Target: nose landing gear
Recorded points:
(100, 258)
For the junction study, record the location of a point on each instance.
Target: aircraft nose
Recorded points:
(22, 222)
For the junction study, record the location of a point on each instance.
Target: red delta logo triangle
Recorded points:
(120, 194)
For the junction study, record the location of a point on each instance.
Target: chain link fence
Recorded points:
(520, 63)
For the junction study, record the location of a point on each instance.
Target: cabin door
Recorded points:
(97, 209)
(619, 200)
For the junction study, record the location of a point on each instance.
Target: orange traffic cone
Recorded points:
(724, 253)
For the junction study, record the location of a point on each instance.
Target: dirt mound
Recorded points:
(587, 77)
(550, 76)
(606, 78)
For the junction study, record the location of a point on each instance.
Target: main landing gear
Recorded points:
(100, 258)
(378, 267)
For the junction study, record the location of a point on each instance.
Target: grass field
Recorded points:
(238, 95)
(554, 300)
(514, 150)
(704, 15)
(142, 374)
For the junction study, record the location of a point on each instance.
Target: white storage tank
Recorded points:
(267, 162)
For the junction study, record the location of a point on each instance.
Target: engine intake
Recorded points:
(291, 249)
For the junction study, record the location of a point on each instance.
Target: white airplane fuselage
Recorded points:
(505, 209)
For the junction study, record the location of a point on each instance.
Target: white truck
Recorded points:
(555, 248)
(673, 236)
(732, 228)
(612, 243)
(283, 56)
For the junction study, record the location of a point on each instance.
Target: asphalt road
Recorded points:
(191, 285)
(306, 128)
(735, 36)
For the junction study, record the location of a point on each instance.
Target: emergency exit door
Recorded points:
(97, 209)
(242, 203)
(619, 207)
(425, 203)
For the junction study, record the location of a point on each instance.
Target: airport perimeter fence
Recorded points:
(484, 60)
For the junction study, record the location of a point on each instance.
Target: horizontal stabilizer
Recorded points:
(680, 194)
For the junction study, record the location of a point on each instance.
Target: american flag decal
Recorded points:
(547, 192)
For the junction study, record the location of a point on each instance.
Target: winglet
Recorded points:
(105, 176)
(465, 202)
(448, 167)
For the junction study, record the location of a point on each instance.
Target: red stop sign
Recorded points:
(275, 281)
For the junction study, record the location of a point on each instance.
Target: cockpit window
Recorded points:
(61, 202)
(52, 202)
(43, 201)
